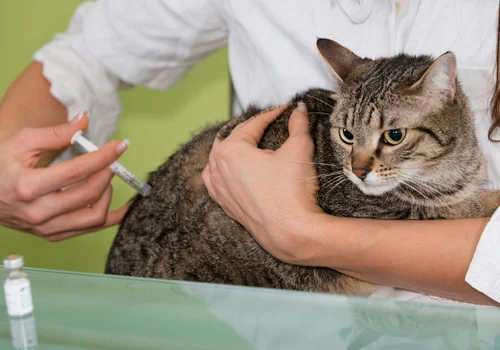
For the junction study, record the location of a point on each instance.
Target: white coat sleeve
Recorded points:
(484, 271)
(113, 44)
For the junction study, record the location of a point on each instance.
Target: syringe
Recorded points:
(126, 175)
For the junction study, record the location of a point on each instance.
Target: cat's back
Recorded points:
(162, 226)
(178, 232)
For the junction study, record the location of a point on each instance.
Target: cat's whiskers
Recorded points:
(429, 188)
(437, 193)
(309, 163)
(320, 100)
(411, 168)
(322, 113)
(332, 181)
(405, 183)
(334, 178)
(413, 202)
(409, 181)
(420, 178)
(427, 179)
(426, 182)
(320, 176)
(342, 180)
(417, 203)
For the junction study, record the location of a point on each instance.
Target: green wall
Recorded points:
(155, 122)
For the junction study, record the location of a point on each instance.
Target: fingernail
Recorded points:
(122, 146)
(78, 117)
(301, 107)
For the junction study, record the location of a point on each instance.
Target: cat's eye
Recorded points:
(394, 136)
(346, 136)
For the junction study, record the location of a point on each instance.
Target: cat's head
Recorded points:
(402, 122)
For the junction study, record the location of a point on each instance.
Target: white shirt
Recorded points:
(272, 55)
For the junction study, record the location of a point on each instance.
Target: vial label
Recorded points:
(18, 297)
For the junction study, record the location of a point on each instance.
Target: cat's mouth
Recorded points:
(372, 185)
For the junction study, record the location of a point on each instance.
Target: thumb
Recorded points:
(300, 143)
(54, 137)
(298, 124)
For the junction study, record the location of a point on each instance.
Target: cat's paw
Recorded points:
(490, 200)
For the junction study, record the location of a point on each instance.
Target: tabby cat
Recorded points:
(395, 141)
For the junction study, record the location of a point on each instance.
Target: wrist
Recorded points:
(323, 240)
(293, 241)
(340, 243)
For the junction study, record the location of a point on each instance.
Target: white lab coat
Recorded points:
(272, 55)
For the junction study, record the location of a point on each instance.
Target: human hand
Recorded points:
(31, 199)
(272, 194)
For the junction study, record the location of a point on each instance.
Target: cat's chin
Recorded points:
(376, 190)
(372, 188)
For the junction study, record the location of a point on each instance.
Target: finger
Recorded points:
(212, 162)
(114, 218)
(243, 123)
(219, 138)
(84, 220)
(76, 197)
(217, 141)
(53, 137)
(205, 175)
(40, 181)
(246, 121)
(207, 180)
(228, 212)
(252, 131)
(211, 156)
(298, 124)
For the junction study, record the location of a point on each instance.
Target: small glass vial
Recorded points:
(19, 303)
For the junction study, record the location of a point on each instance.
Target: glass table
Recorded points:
(91, 311)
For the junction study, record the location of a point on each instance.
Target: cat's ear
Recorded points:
(341, 60)
(439, 80)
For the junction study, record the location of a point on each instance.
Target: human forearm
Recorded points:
(430, 257)
(28, 103)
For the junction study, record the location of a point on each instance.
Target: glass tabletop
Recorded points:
(92, 311)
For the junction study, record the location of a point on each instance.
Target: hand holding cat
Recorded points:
(272, 194)
(31, 199)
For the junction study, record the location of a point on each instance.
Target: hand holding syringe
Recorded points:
(126, 175)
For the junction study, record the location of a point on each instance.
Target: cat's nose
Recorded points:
(361, 172)
(361, 163)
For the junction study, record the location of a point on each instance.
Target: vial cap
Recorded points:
(13, 262)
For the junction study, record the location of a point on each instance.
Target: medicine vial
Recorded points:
(19, 303)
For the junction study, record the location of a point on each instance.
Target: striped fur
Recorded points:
(178, 232)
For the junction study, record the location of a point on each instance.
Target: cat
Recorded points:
(394, 141)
